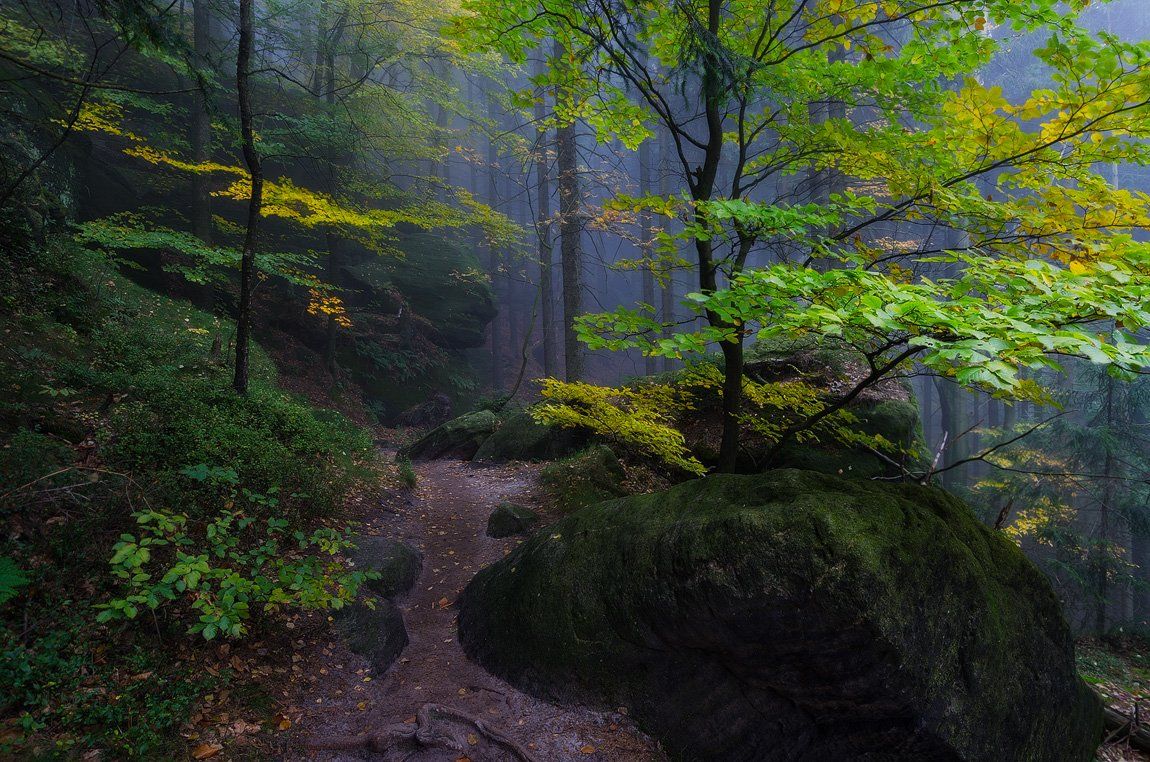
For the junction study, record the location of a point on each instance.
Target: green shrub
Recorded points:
(60, 682)
(406, 472)
(219, 573)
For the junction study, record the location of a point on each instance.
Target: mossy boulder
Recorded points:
(518, 436)
(376, 632)
(458, 438)
(397, 564)
(510, 519)
(791, 616)
(585, 478)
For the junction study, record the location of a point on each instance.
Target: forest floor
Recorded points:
(335, 701)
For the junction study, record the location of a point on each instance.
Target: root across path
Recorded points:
(434, 703)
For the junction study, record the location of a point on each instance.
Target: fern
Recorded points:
(12, 578)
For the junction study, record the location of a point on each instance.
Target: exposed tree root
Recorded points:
(423, 734)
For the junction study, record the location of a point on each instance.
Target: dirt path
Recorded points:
(446, 519)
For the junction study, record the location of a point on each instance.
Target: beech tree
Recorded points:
(1042, 252)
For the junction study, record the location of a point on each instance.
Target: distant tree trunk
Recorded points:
(650, 364)
(255, 200)
(1009, 416)
(667, 308)
(493, 255)
(543, 201)
(948, 425)
(334, 264)
(200, 135)
(1102, 560)
(570, 245)
(443, 125)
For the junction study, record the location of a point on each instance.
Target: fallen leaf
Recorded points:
(282, 721)
(206, 751)
(472, 739)
(587, 749)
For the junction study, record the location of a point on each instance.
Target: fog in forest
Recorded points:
(563, 379)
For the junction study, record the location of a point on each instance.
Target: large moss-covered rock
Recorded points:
(397, 564)
(518, 436)
(458, 438)
(791, 616)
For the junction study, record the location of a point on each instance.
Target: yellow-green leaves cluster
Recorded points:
(640, 417)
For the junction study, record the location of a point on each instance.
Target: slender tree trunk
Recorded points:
(650, 363)
(1009, 416)
(948, 426)
(201, 126)
(702, 190)
(1102, 570)
(334, 263)
(493, 258)
(255, 170)
(667, 297)
(570, 245)
(443, 119)
(543, 201)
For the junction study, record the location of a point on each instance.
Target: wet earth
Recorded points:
(434, 703)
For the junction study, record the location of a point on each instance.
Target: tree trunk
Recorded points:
(1102, 560)
(570, 245)
(493, 254)
(702, 185)
(201, 126)
(255, 200)
(667, 297)
(543, 200)
(334, 264)
(948, 425)
(650, 364)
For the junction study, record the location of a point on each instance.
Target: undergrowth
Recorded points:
(144, 504)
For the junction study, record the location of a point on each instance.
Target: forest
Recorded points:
(539, 380)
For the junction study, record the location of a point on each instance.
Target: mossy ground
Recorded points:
(111, 390)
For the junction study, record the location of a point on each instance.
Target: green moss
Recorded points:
(585, 478)
(518, 436)
(790, 577)
(510, 519)
(458, 438)
(397, 564)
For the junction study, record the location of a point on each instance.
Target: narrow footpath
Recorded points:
(434, 703)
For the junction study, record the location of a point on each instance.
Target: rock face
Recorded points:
(518, 437)
(509, 519)
(458, 438)
(791, 616)
(397, 564)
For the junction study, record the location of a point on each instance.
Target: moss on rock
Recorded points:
(791, 615)
(397, 564)
(458, 438)
(518, 436)
(510, 519)
(376, 633)
(585, 478)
